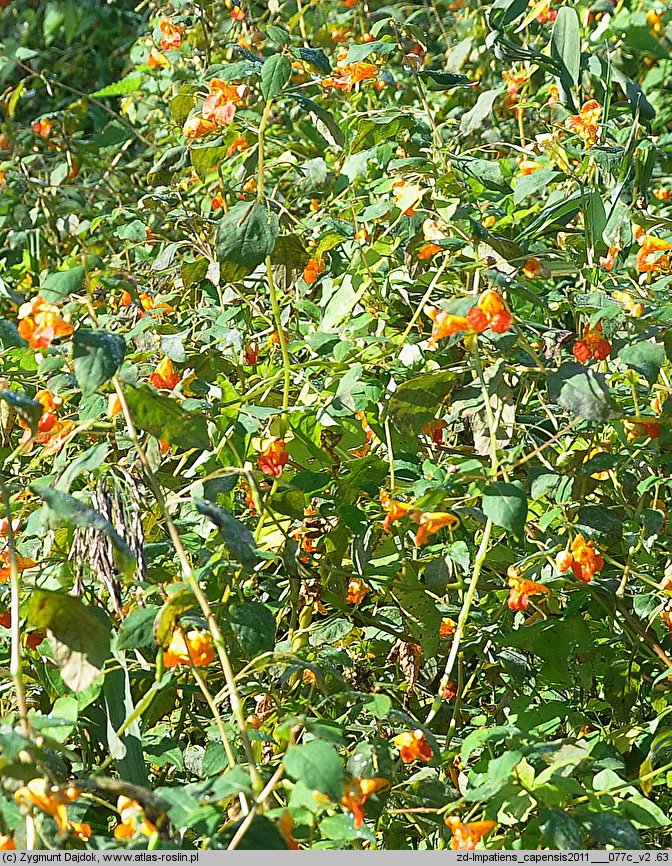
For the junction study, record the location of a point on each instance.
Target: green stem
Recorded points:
(286, 360)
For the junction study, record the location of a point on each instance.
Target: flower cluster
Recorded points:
(489, 312)
(581, 558)
(41, 323)
(593, 345)
(193, 648)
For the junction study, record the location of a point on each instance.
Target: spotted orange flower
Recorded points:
(447, 628)
(593, 345)
(236, 145)
(585, 561)
(521, 590)
(655, 22)
(7, 843)
(357, 591)
(171, 36)
(312, 271)
(53, 801)
(533, 269)
(41, 323)
(609, 260)
(514, 81)
(132, 819)
(528, 166)
(197, 646)
(237, 14)
(634, 308)
(368, 432)
(157, 60)
(394, 509)
(666, 617)
(430, 523)
(467, 836)
(348, 75)
(196, 126)
(445, 325)
(490, 312)
(273, 457)
(357, 792)
(413, 746)
(662, 193)
(43, 127)
(449, 691)
(654, 255)
(431, 233)
(585, 123)
(22, 563)
(547, 14)
(164, 377)
(220, 104)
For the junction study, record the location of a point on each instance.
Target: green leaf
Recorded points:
(275, 73)
(253, 626)
(120, 88)
(182, 103)
(60, 284)
(97, 355)
(361, 50)
(505, 12)
(317, 764)
(162, 416)
(608, 829)
(416, 402)
(135, 231)
(260, 835)
(246, 234)
(64, 508)
(167, 618)
(204, 159)
(26, 408)
(137, 629)
(566, 47)
(90, 459)
(9, 335)
(646, 358)
(316, 57)
(80, 635)
(487, 173)
(582, 392)
(563, 833)
(448, 80)
(237, 537)
(506, 505)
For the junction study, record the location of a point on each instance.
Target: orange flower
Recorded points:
(132, 819)
(547, 15)
(196, 126)
(553, 95)
(237, 14)
(413, 746)
(171, 36)
(197, 646)
(395, 509)
(4, 526)
(236, 145)
(157, 60)
(662, 193)
(435, 430)
(585, 562)
(593, 345)
(42, 127)
(528, 166)
(450, 691)
(22, 563)
(164, 377)
(40, 323)
(666, 617)
(430, 523)
(220, 104)
(513, 80)
(366, 427)
(357, 590)
(609, 260)
(7, 843)
(533, 269)
(467, 836)
(312, 271)
(655, 22)
(521, 590)
(357, 792)
(445, 325)
(586, 122)
(428, 251)
(654, 255)
(285, 826)
(350, 74)
(490, 312)
(53, 801)
(635, 308)
(273, 457)
(447, 627)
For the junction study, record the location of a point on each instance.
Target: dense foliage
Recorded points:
(335, 424)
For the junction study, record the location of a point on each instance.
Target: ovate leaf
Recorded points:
(253, 626)
(26, 408)
(236, 535)
(97, 355)
(246, 234)
(646, 358)
(137, 629)
(583, 393)
(80, 635)
(60, 284)
(275, 73)
(416, 401)
(318, 765)
(163, 417)
(506, 505)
